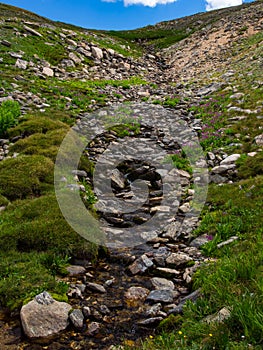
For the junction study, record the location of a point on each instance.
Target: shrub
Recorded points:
(9, 113)
(25, 176)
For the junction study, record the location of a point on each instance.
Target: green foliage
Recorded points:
(55, 263)
(9, 113)
(180, 161)
(251, 166)
(123, 130)
(25, 176)
(3, 201)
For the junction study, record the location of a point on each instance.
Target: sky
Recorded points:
(118, 14)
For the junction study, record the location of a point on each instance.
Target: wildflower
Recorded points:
(150, 336)
(210, 334)
(180, 332)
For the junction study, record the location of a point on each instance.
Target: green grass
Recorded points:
(9, 113)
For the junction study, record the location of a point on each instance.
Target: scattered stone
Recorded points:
(167, 272)
(96, 287)
(32, 31)
(75, 270)
(21, 64)
(229, 241)
(153, 321)
(178, 259)
(136, 295)
(44, 316)
(6, 43)
(199, 241)
(93, 328)
(220, 169)
(259, 140)
(230, 159)
(97, 52)
(161, 295)
(161, 283)
(220, 317)
(140, 265)
(77, 318)
(48, 71)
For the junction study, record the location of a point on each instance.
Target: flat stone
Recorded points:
(161, 295)
(75, 270)
(136, 295)
(167, 272)
(199, 241)
(96, 287)
(229, 241)
(177, 259)
(140, 265)
(220, 169)
(32, 31)
(161, 283)
(153, 321)
(230, 159)
(220, 317)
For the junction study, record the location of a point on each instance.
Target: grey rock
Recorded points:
(97, 52)
(209, 89)
(86, 311)
(166, 272)
(218, 179)
(259, 140)
(96, 287)
(230, 159)
(153, 321)
(72, 56)
(93, 328)
(43, 320)
(220, 317)
(162, 283)
(21, 64)
(140, 265)
(77, 319)
(32, 31)
(229, 241)
(221, 169)
(199, 241)
(118, 179)
(75, 270)
(161, 295)
(178, 259)
(44, 299)
(136, 295)
(6, 43)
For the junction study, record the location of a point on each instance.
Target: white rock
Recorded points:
(48, 72)
(97, 52)
(230, 159)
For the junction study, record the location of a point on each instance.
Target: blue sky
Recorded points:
(118, 14)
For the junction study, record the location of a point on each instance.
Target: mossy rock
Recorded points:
(32, 125)
(251, 166)
(26, 176)
(41, 144)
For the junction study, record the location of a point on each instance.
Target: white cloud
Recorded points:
(218, 4)
(150, 3)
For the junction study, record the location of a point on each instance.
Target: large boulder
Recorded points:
(44, 316)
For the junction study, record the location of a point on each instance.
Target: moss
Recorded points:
(32, 125)
(41, 144)
(25, 176)
(3, 201)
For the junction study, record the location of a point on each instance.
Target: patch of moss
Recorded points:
(25, 176)
(33, 124)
